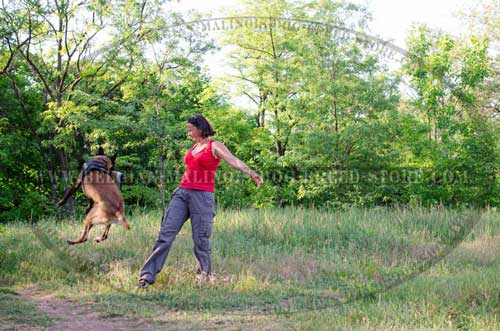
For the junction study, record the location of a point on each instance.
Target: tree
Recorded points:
(312, 92)
(484, 20)
(56, 40)
(448, 75)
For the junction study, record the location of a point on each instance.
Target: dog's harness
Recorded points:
(93, 165)
(98, 166)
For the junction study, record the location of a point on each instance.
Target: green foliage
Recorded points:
(462, 158)
(140, 196)
(328, 125)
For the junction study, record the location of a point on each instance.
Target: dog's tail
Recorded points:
(72, 190)
(123, 221)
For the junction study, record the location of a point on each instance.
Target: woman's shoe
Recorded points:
(143, 283)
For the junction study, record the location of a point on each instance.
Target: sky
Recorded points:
(392, 20)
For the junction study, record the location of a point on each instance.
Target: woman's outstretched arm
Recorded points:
(222, 152)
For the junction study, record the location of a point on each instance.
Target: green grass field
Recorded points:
(276, 269)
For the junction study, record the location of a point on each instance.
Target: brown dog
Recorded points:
(100, 185)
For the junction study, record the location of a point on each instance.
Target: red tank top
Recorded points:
(200, 169)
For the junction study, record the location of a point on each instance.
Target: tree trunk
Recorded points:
(162, 178)
(280, 148)
(53, 185)
(63, 161)
(296, 176)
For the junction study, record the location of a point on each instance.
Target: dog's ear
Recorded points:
(113, 159)
(100, 151)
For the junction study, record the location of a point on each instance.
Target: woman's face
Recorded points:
(193, 132)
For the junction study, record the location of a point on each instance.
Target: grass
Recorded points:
(280, 269)
(15, 311)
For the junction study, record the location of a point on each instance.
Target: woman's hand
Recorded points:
(256, 178)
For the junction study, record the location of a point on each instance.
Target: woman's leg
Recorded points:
(201, 226)
(174, 219)
(202, 210)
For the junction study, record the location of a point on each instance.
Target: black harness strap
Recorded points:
(93, 165)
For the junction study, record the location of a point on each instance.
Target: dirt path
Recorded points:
(69, 315)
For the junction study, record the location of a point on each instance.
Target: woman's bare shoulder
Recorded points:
(216, 146)
(216, 143)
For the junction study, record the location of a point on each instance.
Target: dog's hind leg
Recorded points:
(105, 234)
(85, 234)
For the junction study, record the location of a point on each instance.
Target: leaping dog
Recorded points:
(100, 183)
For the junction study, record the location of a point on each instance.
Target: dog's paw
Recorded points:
(71, 242)
(98, 239)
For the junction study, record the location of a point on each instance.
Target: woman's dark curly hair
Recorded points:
(201, 123)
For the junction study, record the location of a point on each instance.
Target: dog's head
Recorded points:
(107, 162)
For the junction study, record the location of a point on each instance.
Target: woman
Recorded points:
(194, 199)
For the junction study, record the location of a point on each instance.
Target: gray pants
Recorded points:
(184, 204)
